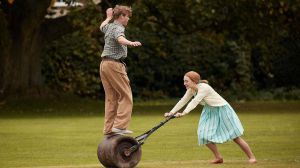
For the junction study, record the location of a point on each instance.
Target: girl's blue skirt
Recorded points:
(218, 125)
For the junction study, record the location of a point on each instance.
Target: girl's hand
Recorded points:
(179, 115)
(168, 114)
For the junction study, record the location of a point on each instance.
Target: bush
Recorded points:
(71, 63)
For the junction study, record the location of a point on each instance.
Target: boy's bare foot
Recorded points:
(217, 161)
(252, 161)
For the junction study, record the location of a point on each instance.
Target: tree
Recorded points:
(24, 33)
(21, 46)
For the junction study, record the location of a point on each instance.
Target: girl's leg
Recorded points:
(245, 147)
(214, 149)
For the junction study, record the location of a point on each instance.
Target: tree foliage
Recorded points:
(71, 62)
(239, 46)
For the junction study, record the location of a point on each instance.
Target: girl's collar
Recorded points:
(197, 86)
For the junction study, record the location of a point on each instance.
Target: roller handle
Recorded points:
(141, 138)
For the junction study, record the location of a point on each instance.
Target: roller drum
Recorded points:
(113, 152)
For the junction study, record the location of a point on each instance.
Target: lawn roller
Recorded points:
(119, 151)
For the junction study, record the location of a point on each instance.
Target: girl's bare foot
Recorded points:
(252, 161)
(217, 161)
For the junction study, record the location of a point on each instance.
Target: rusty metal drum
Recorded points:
(113, 152)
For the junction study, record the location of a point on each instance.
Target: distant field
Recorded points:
(64, 134)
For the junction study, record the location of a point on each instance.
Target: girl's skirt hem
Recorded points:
(208, 142)
(218, 125)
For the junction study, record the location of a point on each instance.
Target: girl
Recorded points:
(218, 122)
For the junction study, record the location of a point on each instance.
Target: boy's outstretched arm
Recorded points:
(124, 41)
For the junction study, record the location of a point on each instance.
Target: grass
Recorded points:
(65, 134)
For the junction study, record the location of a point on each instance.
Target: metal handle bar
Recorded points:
(141, 138)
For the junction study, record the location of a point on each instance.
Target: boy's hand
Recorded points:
(109, 13)
(135, 43)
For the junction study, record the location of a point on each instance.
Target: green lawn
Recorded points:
(64, 134)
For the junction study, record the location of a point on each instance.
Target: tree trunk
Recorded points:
(20, 58)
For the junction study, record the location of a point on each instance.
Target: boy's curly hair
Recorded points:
(121, 10)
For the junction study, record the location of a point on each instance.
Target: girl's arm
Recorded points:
(187, 96)
(202, 92)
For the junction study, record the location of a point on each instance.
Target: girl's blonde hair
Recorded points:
(121, 10)
(195, 77)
